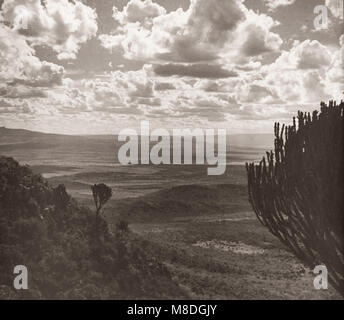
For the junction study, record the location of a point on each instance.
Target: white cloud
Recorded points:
(118, 93)
(208, 31)
(138, 11)
(194, 70)
(8, 107)
(60, 24)
(22, 92)
(258, 39)
(335, 74)
(162, 86)
(274, 4)
(305, 55)
(302, 74)
(336, 8)
(18, 63)
(203, 65)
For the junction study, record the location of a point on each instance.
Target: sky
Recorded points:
(100, 66)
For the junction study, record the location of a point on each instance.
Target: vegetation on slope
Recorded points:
(184, 201)
(68, 250)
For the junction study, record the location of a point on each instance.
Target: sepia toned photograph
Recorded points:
(159, 150)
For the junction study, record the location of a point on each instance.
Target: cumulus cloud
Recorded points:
(205, 32)
(274, 4)
(336, 8)
(138, 11)
(119, 93)
(137, 84)
(335, 72)
(154, 102)
(198, 108)
(207, 63)
(62, 25)
(18, 63)
(22, 92)
(305, 55)
(301, 74)
(10, 107)
(256, 93)
(269, 91)
(194, 70)
(259, 40)
(164, 86)
(212, 86)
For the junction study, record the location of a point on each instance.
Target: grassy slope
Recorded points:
(217, 272)
(171, 222)
(68, 252)
(181, 201)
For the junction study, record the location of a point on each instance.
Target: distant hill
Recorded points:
(37, 148)
(21, 136)
(183, 201)
(8, 136)
(21, 133)
(20, 139)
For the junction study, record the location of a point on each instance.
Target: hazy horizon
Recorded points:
(115, 134)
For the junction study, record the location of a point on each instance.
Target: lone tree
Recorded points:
(297, 191)
(101, 195)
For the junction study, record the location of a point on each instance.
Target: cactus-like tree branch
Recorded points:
(297, 190)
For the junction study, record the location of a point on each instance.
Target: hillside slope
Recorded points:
(68, 252)
(183, 201)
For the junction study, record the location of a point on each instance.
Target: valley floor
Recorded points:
(229, 256)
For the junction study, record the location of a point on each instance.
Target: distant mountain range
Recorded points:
(14, 136)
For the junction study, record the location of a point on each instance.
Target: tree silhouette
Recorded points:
(101, 195)
(61, 197)
(297, 191)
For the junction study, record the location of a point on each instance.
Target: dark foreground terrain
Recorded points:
(69, 252)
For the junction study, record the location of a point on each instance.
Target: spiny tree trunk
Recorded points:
(297, 190)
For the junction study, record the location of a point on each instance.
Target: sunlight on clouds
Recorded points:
(207, 31)
(217, 63)
(18, 63)
(336, 7)
(61, 25)
(274, 4)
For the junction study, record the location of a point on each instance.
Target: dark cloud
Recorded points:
(7, 107)
(196, 70)
(164, 86)
(22, 92)
(149, 101)
(259, 42)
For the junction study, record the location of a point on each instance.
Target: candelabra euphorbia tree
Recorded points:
(297, 190)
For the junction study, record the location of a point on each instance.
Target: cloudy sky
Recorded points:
(98, 66)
